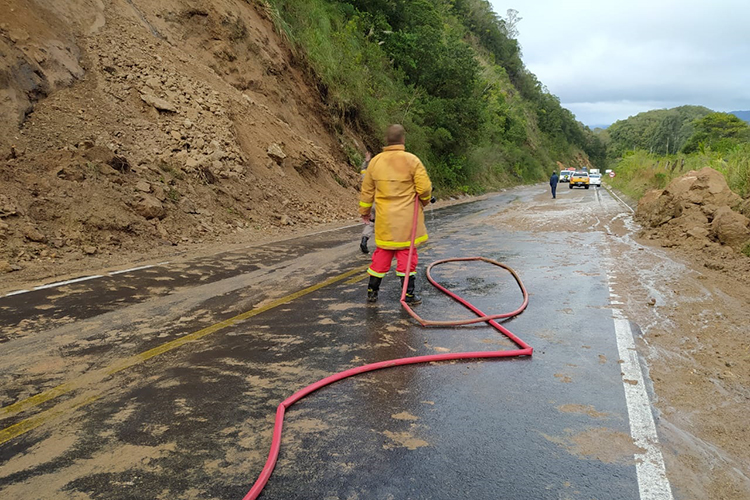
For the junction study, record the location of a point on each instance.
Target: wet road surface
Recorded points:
(194, 420)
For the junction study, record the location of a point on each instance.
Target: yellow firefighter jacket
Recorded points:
(391, 181)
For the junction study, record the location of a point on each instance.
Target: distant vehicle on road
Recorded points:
(595, 179)
(594, 171)
(565, 175)
(579, 179)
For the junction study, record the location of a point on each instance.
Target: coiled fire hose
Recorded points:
(523, 350)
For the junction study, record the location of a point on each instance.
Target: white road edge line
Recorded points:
(68, 282)
(84, 278)
(113, 273)
(612, 192)
(651, 472)
(652, 475)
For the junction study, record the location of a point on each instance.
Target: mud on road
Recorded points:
(695, 339)
(195, 422)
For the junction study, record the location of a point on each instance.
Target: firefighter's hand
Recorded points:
(366, 219)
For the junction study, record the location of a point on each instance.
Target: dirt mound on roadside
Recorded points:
(699, 213)
(135, 124)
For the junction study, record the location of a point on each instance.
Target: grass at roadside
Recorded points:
(640, 171)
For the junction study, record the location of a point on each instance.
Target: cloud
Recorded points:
(607, 60)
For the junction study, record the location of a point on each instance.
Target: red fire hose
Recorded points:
(524, 350)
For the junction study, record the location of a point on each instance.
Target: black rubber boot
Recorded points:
(363, 245)
(372, 289)
(411, 297)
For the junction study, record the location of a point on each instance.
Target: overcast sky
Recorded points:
(610, 59)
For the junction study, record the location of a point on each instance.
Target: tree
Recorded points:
(451, 72)
(511, 22)
(718, 131)
(665, 137)
(662, 131)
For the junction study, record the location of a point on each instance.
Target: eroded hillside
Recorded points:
(131, 125)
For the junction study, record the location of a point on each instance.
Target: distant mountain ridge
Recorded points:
(742, 115)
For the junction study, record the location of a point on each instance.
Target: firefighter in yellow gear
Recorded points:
(392, 180)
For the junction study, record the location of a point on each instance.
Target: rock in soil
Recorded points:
(158, 103)
(33, 234)
(5, 267)
(149, 207)
(730, 228)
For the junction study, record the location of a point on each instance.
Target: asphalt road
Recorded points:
(163, 382)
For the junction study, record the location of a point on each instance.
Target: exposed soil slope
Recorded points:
(131, 125)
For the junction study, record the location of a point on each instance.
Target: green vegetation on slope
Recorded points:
(720, 132)
(640, 171)
(695, 137)
(450, 72)
(660, 131)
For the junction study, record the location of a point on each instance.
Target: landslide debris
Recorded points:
(132, 125)
(698, 213)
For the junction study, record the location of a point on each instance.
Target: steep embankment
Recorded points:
(137, 124)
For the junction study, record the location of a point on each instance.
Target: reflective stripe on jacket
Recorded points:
(391, 181)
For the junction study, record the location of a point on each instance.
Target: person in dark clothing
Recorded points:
(553, 183)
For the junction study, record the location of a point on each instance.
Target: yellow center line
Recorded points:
(102, 373)
(43, 417)
(356, 279)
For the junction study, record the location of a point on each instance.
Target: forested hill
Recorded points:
(650, 149)
(451, 72)
(683, 129)
(662, 131)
